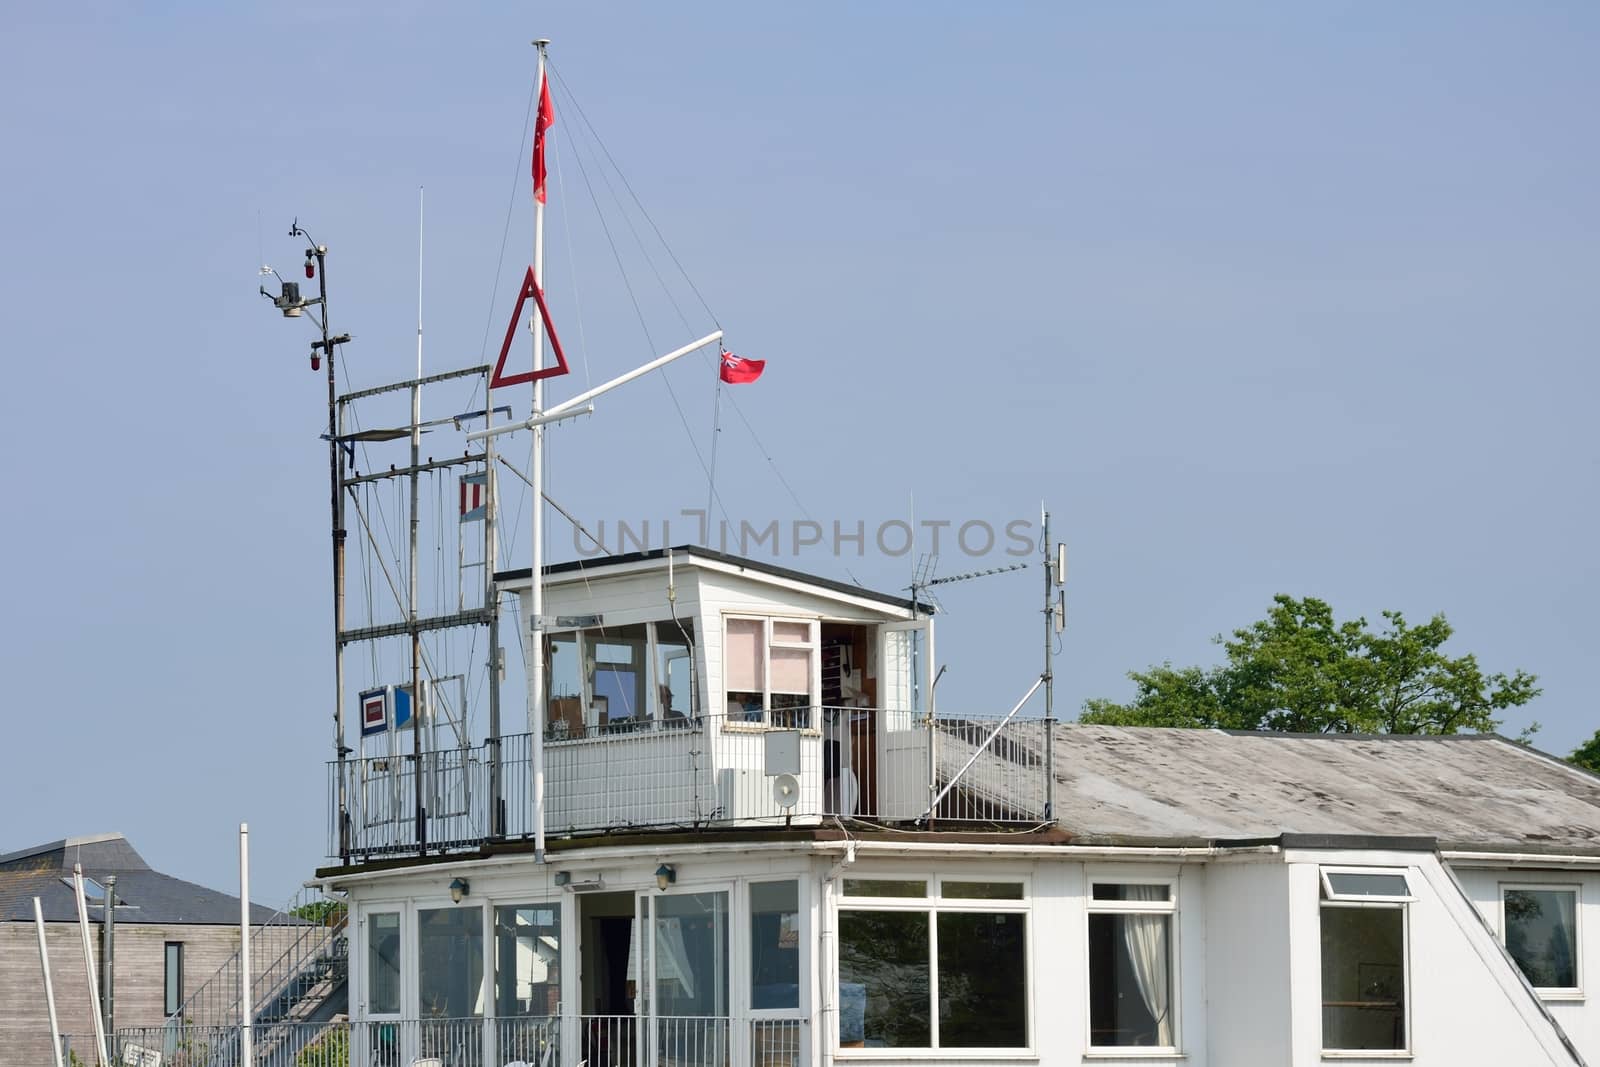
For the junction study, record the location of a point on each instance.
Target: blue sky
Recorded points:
(1259, 298)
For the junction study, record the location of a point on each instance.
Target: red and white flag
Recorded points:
(736, 370)
(541, 125)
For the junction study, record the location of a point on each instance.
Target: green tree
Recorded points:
(1301, 670)
(1587, 755)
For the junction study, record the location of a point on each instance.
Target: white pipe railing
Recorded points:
(853, 763)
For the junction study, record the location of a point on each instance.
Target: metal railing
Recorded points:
(300, 962)
(873, 764)
(533, 1041)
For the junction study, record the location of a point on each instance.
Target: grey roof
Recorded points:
(1470, 792)
(144, 895)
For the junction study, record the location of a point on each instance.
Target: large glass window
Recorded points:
(450, 962)
(770, 665)
(383, 963)
(674, 677)
(691, 954)
(775, 946)
(527, 959)
(1364, 960)
(1541, 933)
(920, 971)
(617, 679)
(1131, 965)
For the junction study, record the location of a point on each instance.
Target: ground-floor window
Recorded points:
(925, 964)
(383, 963)
(1131, 1002)
(1363, 919)
(1540, 928)
(450, 962)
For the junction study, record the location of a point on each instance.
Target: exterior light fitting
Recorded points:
(458, 889)
(665, 876)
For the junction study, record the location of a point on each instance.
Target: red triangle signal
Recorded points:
(500, 378)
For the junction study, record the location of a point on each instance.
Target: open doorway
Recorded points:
(607, 987)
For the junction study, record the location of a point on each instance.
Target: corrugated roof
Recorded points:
(148, 895)
(1469, 792)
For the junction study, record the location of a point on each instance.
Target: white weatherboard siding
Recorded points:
(1246, 965)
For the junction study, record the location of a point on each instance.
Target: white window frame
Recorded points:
(931, 905)
(812, 646)
(1574, 992)
(1329, 893)
(1330, 899)
(1134, 907)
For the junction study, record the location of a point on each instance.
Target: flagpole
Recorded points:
(533, 655)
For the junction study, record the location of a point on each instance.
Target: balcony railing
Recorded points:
(851, 763)
(536, 1041)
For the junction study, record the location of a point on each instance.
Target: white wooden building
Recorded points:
(765, 848)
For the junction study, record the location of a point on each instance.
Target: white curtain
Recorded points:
(1146, 939)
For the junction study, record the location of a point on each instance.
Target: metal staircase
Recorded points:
(301, 988)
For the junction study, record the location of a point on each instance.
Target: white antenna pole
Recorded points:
(88, 963)
(419, 809)
(534, 656)
(49, 987)
(246, 1008)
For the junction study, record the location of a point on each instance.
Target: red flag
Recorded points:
(736, 370)
(545, 120)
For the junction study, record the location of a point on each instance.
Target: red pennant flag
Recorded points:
(737, 370)
(545, 120)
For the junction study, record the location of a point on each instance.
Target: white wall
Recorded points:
(1468, 1005)
(1578, 1015)
(1246, 965)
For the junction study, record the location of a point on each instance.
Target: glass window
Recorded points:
(172, 979)
(675, 670)
(982, 890)
(1363, 976)
(383, 963)
(896, 990)
(983, 995)
(564, 683)
(769, 664)
(1541, 934)
(775, 945)
(616, 665)
(527, 959)
(1131, 987)
(450, 962)
(1364, 885)
(691, 954)
(883, 979)
(884, 887)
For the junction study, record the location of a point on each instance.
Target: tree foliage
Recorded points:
(1301, 670)
(1587, 755)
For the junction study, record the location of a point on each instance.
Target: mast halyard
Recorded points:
(533, 655)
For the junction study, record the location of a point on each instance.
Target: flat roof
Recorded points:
(577, 566)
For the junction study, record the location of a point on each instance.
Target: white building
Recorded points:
(763, 849)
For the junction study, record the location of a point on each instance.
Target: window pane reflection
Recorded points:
(450, 962)
(883, 980)
(527, 959)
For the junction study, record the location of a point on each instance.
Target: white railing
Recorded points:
(853, 763)
(536, 1041)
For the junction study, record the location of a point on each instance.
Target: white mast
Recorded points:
(533, 654)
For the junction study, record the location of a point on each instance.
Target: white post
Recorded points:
(88, 964)
(246, 1007)
(49, 987)
(533, 638)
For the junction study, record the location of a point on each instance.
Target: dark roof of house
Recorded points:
(576, 565)
(1467, 792)
(144, 895)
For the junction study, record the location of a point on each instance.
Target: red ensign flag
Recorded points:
(737, 370)
(546, 119)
